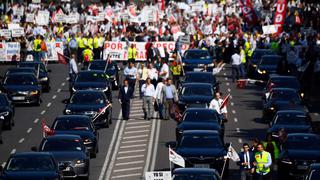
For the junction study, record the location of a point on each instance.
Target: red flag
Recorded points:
(162, 5)
(225, 102)
(280, 15)
(46, 130)
(62, 59)
(248, 12)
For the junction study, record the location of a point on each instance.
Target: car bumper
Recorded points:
(197, 163)
(76, 171)
(24, 99)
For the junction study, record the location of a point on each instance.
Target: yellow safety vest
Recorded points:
(275, 149)
(85, 42)
(88, 52)
(95, 43)
(37, 45)
(132, 53)
(60, 30)
(90, 43)
(176, 70)
(243, 56)
(261, 161)
(81, 43)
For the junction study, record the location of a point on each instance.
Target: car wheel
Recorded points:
(93, 155)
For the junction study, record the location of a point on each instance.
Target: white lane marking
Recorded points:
(49, 104)
(136, 141)
(134, 137)
(128, 169)
(151, 141)
(232, 104)
(136, 114)
(133, 132)
(138, 110)
(13, 151)
(229, 90)
(133, 146)
(129, 157)
(240, 140)
(138, 122)
(21, 140)
(238, 130)
(129, 163)
(235, 119)
(29, 130)
(133, 151)
(127, 175)
(228, 84)
(43, 112)
(138, 127)
(231, 97)
(3, 164)
(113, 140)
(116, 149)
(36, 120)
(233, 111)
(59, 90)
(226, 78)
(54, 96)
(135, 108)
(316, 114)
(63, 84)
(155, 149)
(224, 74)
(67, 78)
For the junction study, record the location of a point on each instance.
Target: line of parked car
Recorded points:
(66, 150)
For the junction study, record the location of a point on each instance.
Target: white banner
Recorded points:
(6, 33)
(17, 32)
(30, 18)
(158, 175)
(72, 19)
(53, 49)
(13, 26)
(12, 49)
(3, 53)
(60, 18)
(19, 11)
(176, 158)
(271, 29)
(42, 18)
(36, 1)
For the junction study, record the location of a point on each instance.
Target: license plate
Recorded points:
(301, 167)
(67, 169)
(202, 165)
(197, 69)
(18, 98)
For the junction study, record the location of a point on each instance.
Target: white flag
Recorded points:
(176, 158)
(232, 154)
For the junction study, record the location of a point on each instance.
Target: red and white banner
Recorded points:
(280, 15)
(248, 12)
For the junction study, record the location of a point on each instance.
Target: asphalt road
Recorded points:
(129, 148)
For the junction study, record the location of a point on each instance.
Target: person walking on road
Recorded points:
(143, 75)
(157, 96)
(236, 63)
(125, 96)
(216, 103)
(73, 71)
(263, 161)
(148, 91)
(130, 73)
(164, 70)
(246, 163)
(169, 96)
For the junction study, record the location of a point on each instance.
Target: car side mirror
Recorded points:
(34, 149)
(172, 144)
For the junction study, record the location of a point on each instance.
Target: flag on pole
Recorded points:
(176, 158)
(62, 59)
(101, 111)
(232, 154)
(46, 130)
(225, 102)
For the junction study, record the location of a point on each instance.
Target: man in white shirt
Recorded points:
(153, 74)
(236, 62)
(148, 95)
(164, 71)
(130, 73)
(216, 105)
(157, 96)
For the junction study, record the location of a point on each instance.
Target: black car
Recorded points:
(93, 80)
(199, 119)
(256, 56)
(195, 93)
(201, 77)
(197, 60)
(195, 173)
(22, 88)
(21, 70)
(93, 104)
(281, 99)
(313, 172)
(78, 125)
(31, 165)
(292, 121)
(277, 81)
(203, 149)
(41, 71)
(266, 66)
(70, 153)
(300, 150)
(110, 68)
(6, 112)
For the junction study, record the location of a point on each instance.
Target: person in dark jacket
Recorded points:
(125, 96)
(246, 163)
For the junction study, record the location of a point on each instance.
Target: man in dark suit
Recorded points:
(125, 95)
(246, 163)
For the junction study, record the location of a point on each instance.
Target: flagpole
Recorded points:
(170, 162)
(225, 162)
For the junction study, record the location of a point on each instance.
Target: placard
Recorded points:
(30, 18)
(185, 39)
(19, 11)
(36, 1)
(72, 19)
(3, 56)
(60, 18)
(158, 175)
(12, 49)
(5, 33)
(18, 32)
(270, 29)
(42, 18)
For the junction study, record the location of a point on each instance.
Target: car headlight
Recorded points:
(262, 72)
(44, 79)
(211, 65)
(68, 111)
(6, 113)
(73, 89)
(302, 95)
(87, 141)
(254, 65)
(183, 64)
(23, 92)
(286, 161)
(34, 92)
(272, 108)
(80, 162)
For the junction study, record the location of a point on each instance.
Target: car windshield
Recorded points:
(194, 177)
(258, 54)
(31, 163)
(203, 77)
(196, 90)
(200, 116)
(87, 98)
(72, 124)
(303, 142)
(285, 83)
(290, 96)
(194, 141)
(20, 80)
(291, 119)
(91, 77)
(42, 68)
(197, 55)
(3, 100)
(61, 145)
(97, 65)
(21, 70)
(269, 61)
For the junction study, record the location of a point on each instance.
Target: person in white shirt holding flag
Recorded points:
(220, 105)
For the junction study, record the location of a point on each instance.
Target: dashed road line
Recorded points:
(135, 141)
(21, 140)
(63, 84)
(13, 151)
(29, 130)
(36, 120)
(59, 90)
(240, 140)
(129, 157)
(224, 74)
(67, 78)
(138, 122)
(54, 96)
(127, 169)
(238, 130)
(49, 104)
(132, 151)
(129, 163)
(133, 146)
(133, 132)
(226, 78)
(230, 96)
(43, 112)
(134, 137)
(233, 111)
(138, 127)
(232, 104)
(235, 119)
(229, 90)
(228, 84)
(3, 164)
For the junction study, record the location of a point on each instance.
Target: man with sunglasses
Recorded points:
(262, 163)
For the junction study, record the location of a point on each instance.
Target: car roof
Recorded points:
(195, 171)
(31, 62)
(276, 76)
(283, 89)
(64, 137)
(292, 111)
(31, 153)
(303, 135)
(315, 166)
(195, 84)
(91, 71)
(73, 117)
(199, 110)
(271, 55)
(21, 74)
(89, 91)
(201, 132)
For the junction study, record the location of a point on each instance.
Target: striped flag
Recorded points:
(225, 102)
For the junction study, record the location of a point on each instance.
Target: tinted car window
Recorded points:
(288, 83)
(303, 142)
(202, 115)
(197, 55)
(87, 98)
(30, 164)
(194, 177)
(66, 125)
(91, 77)
(293, 119)
(20, 80)
(3, 100)
(285, 96)
(33, 65)
(201, 142)
(62, 145)
(205, 78)
(97, 65)
(265, 61)
(195, 90)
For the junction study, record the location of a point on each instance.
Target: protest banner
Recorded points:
(18, 32)
(13, 26)
(271, 29)
(185, 39)
(42, 18)
(158, 175)
(72, 19)
(30, 18)
(3, 56)
(6, 33)
(36, 1)
(280, 15)
(19, 11)
(12, 49)
(60, 18)
(53, 49)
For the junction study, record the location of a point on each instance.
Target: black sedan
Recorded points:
(42, 73)
(276, 81)
(313, 172)
(22, 88)
(281, 99)
(256, 56)
(197, 60)
(203, 149)
(201, 77)
(93, 104)
(292, 121)
(6, 112)
(267, 65)
(70, 153)
(300, 150)
(78, 125)
(199, 119)
(195, 173)
(193, 94)
(31, 165)
(110, 68)
(93, 80)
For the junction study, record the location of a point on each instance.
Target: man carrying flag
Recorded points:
(220, 105)
(46, 130)
(73, 68)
